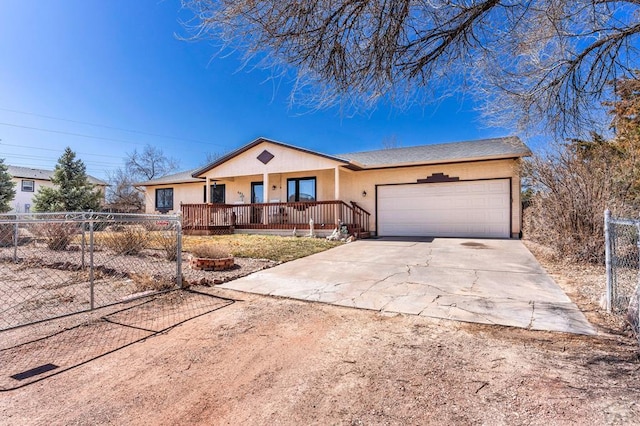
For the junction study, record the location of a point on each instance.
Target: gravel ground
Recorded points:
(266, 360)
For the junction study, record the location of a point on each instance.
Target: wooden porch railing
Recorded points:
(325, 215)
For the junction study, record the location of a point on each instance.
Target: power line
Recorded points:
(70, 133)
(56, 150)
(139, 132)
(50, 160)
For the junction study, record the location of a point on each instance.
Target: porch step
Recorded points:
(358, 232)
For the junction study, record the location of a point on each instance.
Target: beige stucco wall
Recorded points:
(186, 193)
(352, 184)
(325, 185)
(238, 173)
(285, 160)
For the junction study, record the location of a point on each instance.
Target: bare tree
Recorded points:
(149, 164)
(212, 156)
(571, 187)
(531, 62)
(122, 196)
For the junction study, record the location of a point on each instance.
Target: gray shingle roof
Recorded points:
(180, 177)
(507, 147)
(41, 174)
(483, 149)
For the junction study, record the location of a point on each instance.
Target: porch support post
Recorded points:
(336, 192)
(265, 197)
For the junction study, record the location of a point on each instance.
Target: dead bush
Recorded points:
(572, 187)
(168, 241)
(146, 282)
(6, 234)
(56, 235)
(131, 240)
(209, 251)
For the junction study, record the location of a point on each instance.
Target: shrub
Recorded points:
(130, 241)
(6, 234)
(209, 251)
(169, 243)
(57, 235)
(570, 189)
(147, 282)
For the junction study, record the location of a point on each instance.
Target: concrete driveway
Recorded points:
(481, 281)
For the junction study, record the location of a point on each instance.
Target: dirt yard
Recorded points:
(265, 360)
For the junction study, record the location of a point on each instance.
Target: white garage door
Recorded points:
(453, 209)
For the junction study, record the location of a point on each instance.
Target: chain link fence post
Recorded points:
(16, 240)
(91, 275)
(179, 250)
(83, 244)
(607, 250)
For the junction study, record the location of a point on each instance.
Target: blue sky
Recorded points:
(107, 77)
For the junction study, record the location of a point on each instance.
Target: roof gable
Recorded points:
(264, 141)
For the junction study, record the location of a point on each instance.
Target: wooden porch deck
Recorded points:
(207, 219)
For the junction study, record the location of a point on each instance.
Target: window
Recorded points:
(28, 186)
(164, 199)
(301, 189)
(217, 194)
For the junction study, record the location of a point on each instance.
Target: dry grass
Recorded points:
(130, 241)
(280, 249)
(148, 282)
(209, 250)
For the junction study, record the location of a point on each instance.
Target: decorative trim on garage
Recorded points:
(439, 178)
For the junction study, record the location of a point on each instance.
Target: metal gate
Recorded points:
(57, 264)
(78, 286)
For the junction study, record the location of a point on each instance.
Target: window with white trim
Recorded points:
(28, 186)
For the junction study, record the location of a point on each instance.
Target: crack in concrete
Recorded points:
(426, 263)
(366, 290)
(476, 277)
(533, 310)
(478, 314)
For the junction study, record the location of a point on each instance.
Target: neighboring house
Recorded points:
(463, 189)
(29, 181)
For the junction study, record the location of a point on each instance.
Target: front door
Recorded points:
(217, 194)
(257, 196)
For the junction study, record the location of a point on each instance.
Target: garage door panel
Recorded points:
(456, 209)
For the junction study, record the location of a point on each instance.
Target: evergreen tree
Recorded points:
(72, 191)
(7, 191)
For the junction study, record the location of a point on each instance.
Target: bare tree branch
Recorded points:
(149, 164)
(532, 63)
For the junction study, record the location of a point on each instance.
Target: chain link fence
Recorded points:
(76, 286)
(56, 264)
(622, 245)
